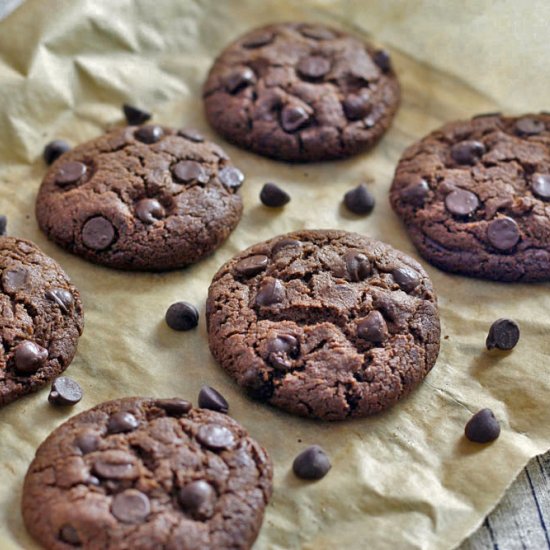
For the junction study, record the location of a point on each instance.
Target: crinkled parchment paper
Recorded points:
(405, 479)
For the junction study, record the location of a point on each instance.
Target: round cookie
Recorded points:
(301, 92)
(147, 473)
(142, 198)
(474, 197)
(40, 319)
(325, 324)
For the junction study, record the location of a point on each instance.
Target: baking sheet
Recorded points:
(404, 479)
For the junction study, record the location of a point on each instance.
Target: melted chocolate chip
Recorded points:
(373, 328)
(467, 152)
(15, 279)
(98, 233)
(216, 438)
(191, 134)
(231, 177)
(461, 202)
(29, 357)
(149, 210)
(416, 193)
(383, 60)
(182, 316)
(357, 106)
(69, 535)
(187, 171)
(238, 79)
(149, 134)
(134, 115)
(483, 427)
(65, 391)
(503, 334)
(54, 150)
(357, 265)
(197, 499)
(131, 506)
(122, 421)
(271, 291)
(529, 126)
(69, 173)
(359, 200)
(285, 243)
(406, 278)
(87, 442)
(317, 33)
(273, 196)
(63, 298)
(252, 265)
(174, 406)
(209, 398)
(257, 40)
(313, 463)
(293, 117)
(115, 464)
(503, 234)
(540, 185)
(281, 350)
(313, 67)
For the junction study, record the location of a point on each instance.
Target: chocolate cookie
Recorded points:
(474, 197)
(144, 474)
(40, 319)
(143, 198)
(325, 324)
(301, 92)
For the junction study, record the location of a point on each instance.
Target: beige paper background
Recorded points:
(405, 479)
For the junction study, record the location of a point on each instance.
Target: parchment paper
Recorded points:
(405, 479)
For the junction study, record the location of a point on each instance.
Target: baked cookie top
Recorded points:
(474, 197)
(325, 324)
(143, 198)
(301, 92)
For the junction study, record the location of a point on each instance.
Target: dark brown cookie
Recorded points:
(143, 198)
(145, 474)
(474, 197)
(40, 319)
(301, 92)
(326, 324)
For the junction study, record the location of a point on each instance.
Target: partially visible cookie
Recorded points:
(145, 474)
(474, 196)
(325, 324)
(301, 92)
(41, 319)
(141, 198)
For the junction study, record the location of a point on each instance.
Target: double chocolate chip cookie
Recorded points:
(142, 198)
(325, 324)
(40, 319)
(474, 196)
(301, 92)
(147, 473)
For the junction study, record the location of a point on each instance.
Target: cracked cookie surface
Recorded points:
(325, 324)
(138, 473)
(41, 319)
(301, 92)
(474, 196)
(141, 198)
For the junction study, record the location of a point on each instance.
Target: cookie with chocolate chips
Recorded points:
(41, 319)
(147, 473)
(141, 198)
(325, 324)
(474, 196)
(301, 92)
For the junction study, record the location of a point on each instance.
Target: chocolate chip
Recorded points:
(209, 398)
(215, 437)
(483, 115)
(191, 134)
(54, 150)
(115, 464)
(190, 170)
(134, 115)
(63, 298)
(131, 506)
(357, 106)
(3, 225)
(271, 291)
(252, 265)
(70, 172)
(197, 499)
(149, 134)
(98, 233)
(281, 350)
(313, 463)
(416, 193)
(373, 328)
(461, 202)
(29, 357)
(540, 185)
(383, 60)
(313, 67)
(257, 386)
(231, 177)
(503, 334)
(121, 422)
(272, 195)
(293, 117)
(182, 316)
(149, 210)
(87, 442)
(483, 427)
(69, 535)
(257, 40)
(15, 279)
(357, 265)
(317, 33)
(467, 152)
(503, 233)
(174, 406)
(359, 200)
(65, 391)
(285, 243)
(530, 126)
(238, 79)
(406, 278)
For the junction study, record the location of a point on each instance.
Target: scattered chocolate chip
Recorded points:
(503, 334)
(174, 406)
(190, 170)
(63, 298)
(238, 79)
(3, 225)
(313, 67)
(87, 442)
(98, 233)
(272, 195)
(197, 499)
(406, 278)
(503, 233)
(115, 464)
(182, 316)
(359, 200)
(70, 172)
(529, 126)
(540, 185)
(131, 506)
(313, 463)
(383, 60)
(293, 117)
(357, 265)
(69, 535)
(483, 427)
(252, 265)
(416, 193)
(467, 152)
(149, 210)
(461, 202)
(317, 33)
(483, 115)
(209, 398)
(149, 134)
(191, 134)
(373, 328)
(271, 291)
(65, 391)
(281, 350)
(357, 106)
(29, 357)
(122, 421)
(134, 115)
(285, 243)
(215, 437)
(15, 279)
(54, 150)
(231, 177)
